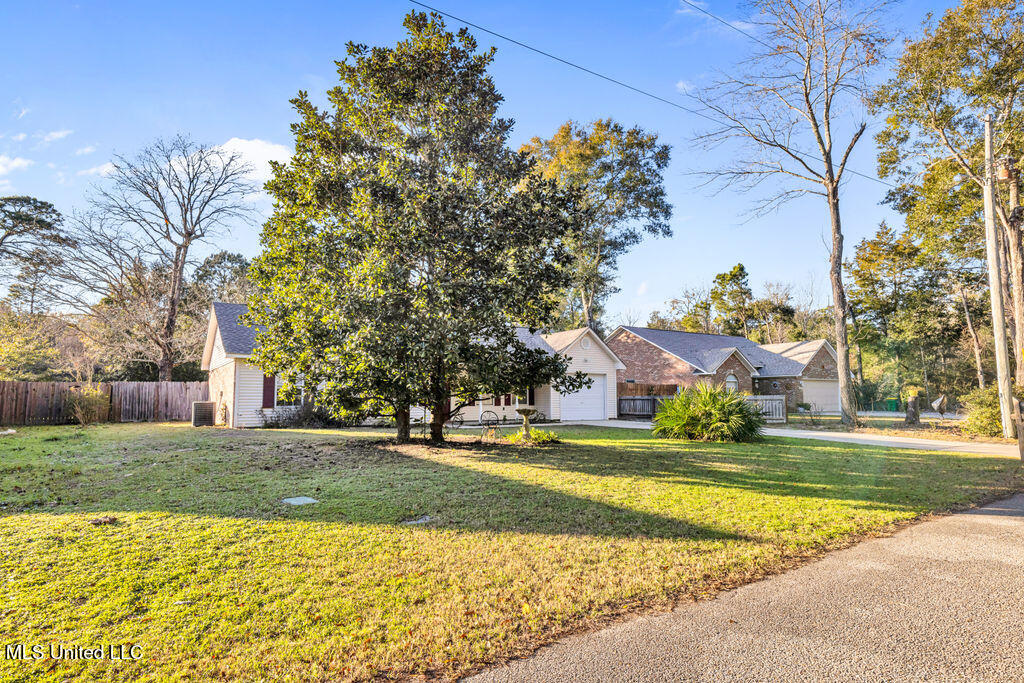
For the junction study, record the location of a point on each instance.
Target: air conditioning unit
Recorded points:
(204, 413)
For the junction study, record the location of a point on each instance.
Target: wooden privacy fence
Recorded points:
(38, 403)
(773, 407)
(639, 406)
(638, 389)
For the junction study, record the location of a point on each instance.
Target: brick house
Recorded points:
(806, 372)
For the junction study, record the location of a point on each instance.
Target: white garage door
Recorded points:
(587, 404)
(822, 394)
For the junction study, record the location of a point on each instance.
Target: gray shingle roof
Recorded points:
(561, 340)
(533, 340)
(707, 351)
(238, 339)
(802, 351)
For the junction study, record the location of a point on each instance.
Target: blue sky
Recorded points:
(80, 81)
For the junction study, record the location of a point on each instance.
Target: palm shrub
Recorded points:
(708, 413)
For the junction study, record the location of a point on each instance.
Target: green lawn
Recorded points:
(213, 577)
(930, 428)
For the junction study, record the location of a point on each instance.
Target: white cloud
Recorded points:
(55, 135)
(683, 87)
(89, 149)
(19, 137)
(258, 154)
(8, 164)
(688, 9)
(685, 8)
(642, 289)
(102, 169)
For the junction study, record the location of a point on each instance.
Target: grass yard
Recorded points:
(214, 578)
(930, 427)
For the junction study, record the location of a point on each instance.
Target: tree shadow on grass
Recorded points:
(865, 476)
(358, 481)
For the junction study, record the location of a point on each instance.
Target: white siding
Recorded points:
(217, 357)
(249, 411)
(595, 361)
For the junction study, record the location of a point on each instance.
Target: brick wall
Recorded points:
(734, 366)
(789, 386)
(821, 366)
(646, 363)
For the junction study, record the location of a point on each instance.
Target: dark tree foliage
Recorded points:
(408, 242)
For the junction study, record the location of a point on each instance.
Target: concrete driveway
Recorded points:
(942, 600)
(898, 441)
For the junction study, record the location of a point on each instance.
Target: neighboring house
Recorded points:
(246, 398)
(805, 372)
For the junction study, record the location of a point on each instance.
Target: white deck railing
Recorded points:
(772, 406)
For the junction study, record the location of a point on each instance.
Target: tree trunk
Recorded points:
(1007, 289)
(1013, 238)
(975, 342)
(848, 402)
(166, 364)
(860, 357)
(586, 304)
(402, 422)
(438, 416)
(924, 371)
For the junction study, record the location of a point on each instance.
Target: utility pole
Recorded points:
(995, 289)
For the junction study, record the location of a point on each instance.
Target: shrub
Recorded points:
(538, 437)
(708, 413)
(982, 405)
(87, 406)
(304, 415)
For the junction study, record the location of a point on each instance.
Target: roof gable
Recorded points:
(239, 339)
(801, 352)
(706, 352)
(560, 341)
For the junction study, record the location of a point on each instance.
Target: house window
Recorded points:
(279, 402)
(731, 383)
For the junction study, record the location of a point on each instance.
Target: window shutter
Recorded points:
(269, 390)
(508, 399)
(531, 397)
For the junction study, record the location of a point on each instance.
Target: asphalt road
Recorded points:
(940, 601)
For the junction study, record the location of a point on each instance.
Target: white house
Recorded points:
(247, 398)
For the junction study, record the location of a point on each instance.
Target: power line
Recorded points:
(727, 23)
(622, 84)
(569, 63)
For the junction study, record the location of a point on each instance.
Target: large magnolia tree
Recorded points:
(408, 241)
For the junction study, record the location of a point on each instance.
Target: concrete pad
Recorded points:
(300, 500)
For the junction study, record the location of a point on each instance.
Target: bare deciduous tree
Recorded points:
(789, 106)
(127, 260)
